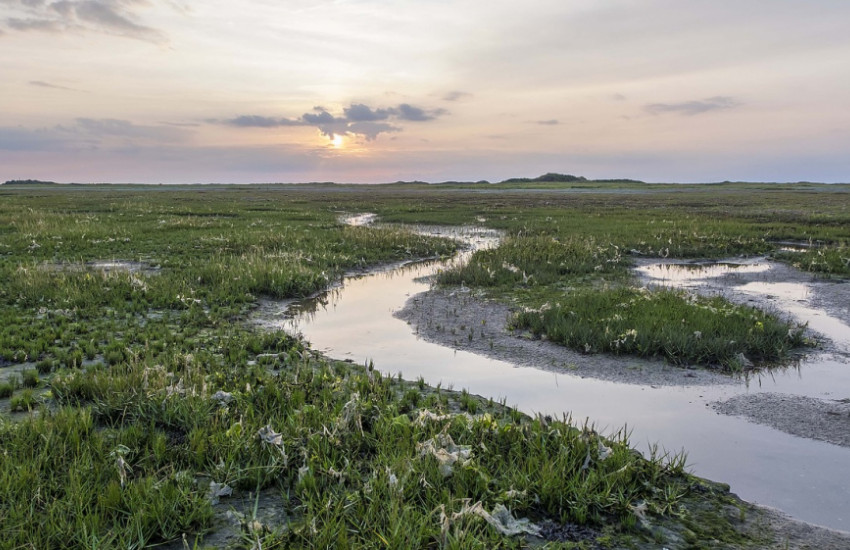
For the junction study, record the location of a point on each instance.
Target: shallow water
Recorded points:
(805, 478)
(688, 274)
(790, 298)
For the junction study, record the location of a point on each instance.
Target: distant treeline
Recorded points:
(550, 177)
(566, 178)
(29, 182)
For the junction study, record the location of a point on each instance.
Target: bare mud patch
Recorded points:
(792, 534)
(822, 419)
(240, 520)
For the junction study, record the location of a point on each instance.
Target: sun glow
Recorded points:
(338, 141)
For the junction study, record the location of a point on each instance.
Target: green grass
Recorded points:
(539, 260)
(7, 388)
(681, 328)
(116, 462)
(124, 365)
(827, 260)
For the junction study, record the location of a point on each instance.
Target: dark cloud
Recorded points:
(118, 17)
(370, 130)
(406, 111)
(358, 119)
(362, 113)
(551, 122)
(321, 118)
(691, 108)
(327, 124)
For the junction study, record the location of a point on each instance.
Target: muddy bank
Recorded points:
(782, 531)
(463, 320)
(823, 419)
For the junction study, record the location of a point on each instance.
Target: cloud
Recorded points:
(362, 113)
(16, 138)
(181, 124)
(43, 25)
(456, 96)
(550, 122)
(370, 130)
(116, 17)
(114, 128)
(406, 111)
(89, 133)
(321, 118)
(107, 17)
(256, 121)
(690, 108)
(358, 119)
(43, 84)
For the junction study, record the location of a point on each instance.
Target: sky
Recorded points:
(369, 91)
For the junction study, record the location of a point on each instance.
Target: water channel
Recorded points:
(805, 478)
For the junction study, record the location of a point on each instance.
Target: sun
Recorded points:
(338, 141)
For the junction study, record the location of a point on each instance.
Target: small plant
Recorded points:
(74, 359)
(30, 378)
(23, 401)
(468, 403)
(410, 400)
(7, 388)
(45, 366)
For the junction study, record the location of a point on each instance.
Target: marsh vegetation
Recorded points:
(136, 391)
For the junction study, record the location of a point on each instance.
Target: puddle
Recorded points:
(802, 477)
(793, 298)
(687, 274)
(357, 220)
(107, 266)
(119, 265)
(12, 371)
(797, 246)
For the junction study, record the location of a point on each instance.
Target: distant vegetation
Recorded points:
(29, 182)
(548, 177)
(553, 177)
